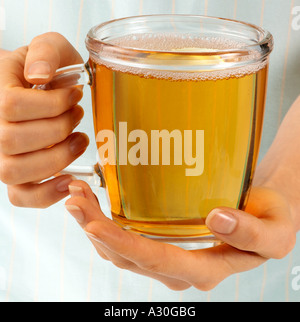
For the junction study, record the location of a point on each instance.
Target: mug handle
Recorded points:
(76, 75)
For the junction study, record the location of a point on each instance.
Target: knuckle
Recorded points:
(20, 53)
(56, 162)
(38, 45)
(205, 286)
(65, 125)
(7, 140)
(46, 44)
(51, 35)
(27, 196)
(102, 255)
(58, 103)
(7, 105)
(177, 285)
(61, 130)
(124, 264)
(209, 280)
(42, 40)
(7, 170)
(38, 199)
(153, 267)
(14, 196)
(17, 56)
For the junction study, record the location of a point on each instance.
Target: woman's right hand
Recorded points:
(36, 127)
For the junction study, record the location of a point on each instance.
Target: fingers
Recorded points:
(40, 195)
(42, 164)
(18, 102)
(79, 188)
(24, 104)
(46, 54)
(178, 268)
(136, 253)
(84, 207)
(23, 137)
(81, 192)
(272, 235)
(203, 269)
(35, 125)
(172, 283)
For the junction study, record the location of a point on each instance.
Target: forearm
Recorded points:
(280, 168)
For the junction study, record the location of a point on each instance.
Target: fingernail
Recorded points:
(221, 222)
(39, 70)
(63, 185)
(76, 212)
(78, 143)
(76, 191)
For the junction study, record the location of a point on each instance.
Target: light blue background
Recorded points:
(44, 255)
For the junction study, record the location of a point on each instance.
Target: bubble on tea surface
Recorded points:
(170, 44)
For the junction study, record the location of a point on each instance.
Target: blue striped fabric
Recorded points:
(44, 255)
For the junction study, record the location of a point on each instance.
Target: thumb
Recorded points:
(270, 236)
(46, 54)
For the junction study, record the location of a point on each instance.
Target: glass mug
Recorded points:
(178, 105)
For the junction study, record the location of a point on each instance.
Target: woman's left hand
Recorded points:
(265, 230)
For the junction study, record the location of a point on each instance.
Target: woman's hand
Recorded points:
(36, 139)
(265, 230)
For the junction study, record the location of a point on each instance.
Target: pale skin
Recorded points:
(37, 141)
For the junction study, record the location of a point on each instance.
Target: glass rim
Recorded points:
(266, 38)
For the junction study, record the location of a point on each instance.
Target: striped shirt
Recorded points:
(44, 255)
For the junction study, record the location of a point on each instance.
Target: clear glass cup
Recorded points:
(178, 104)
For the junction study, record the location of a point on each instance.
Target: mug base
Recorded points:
(187, 234)
(195, 243)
